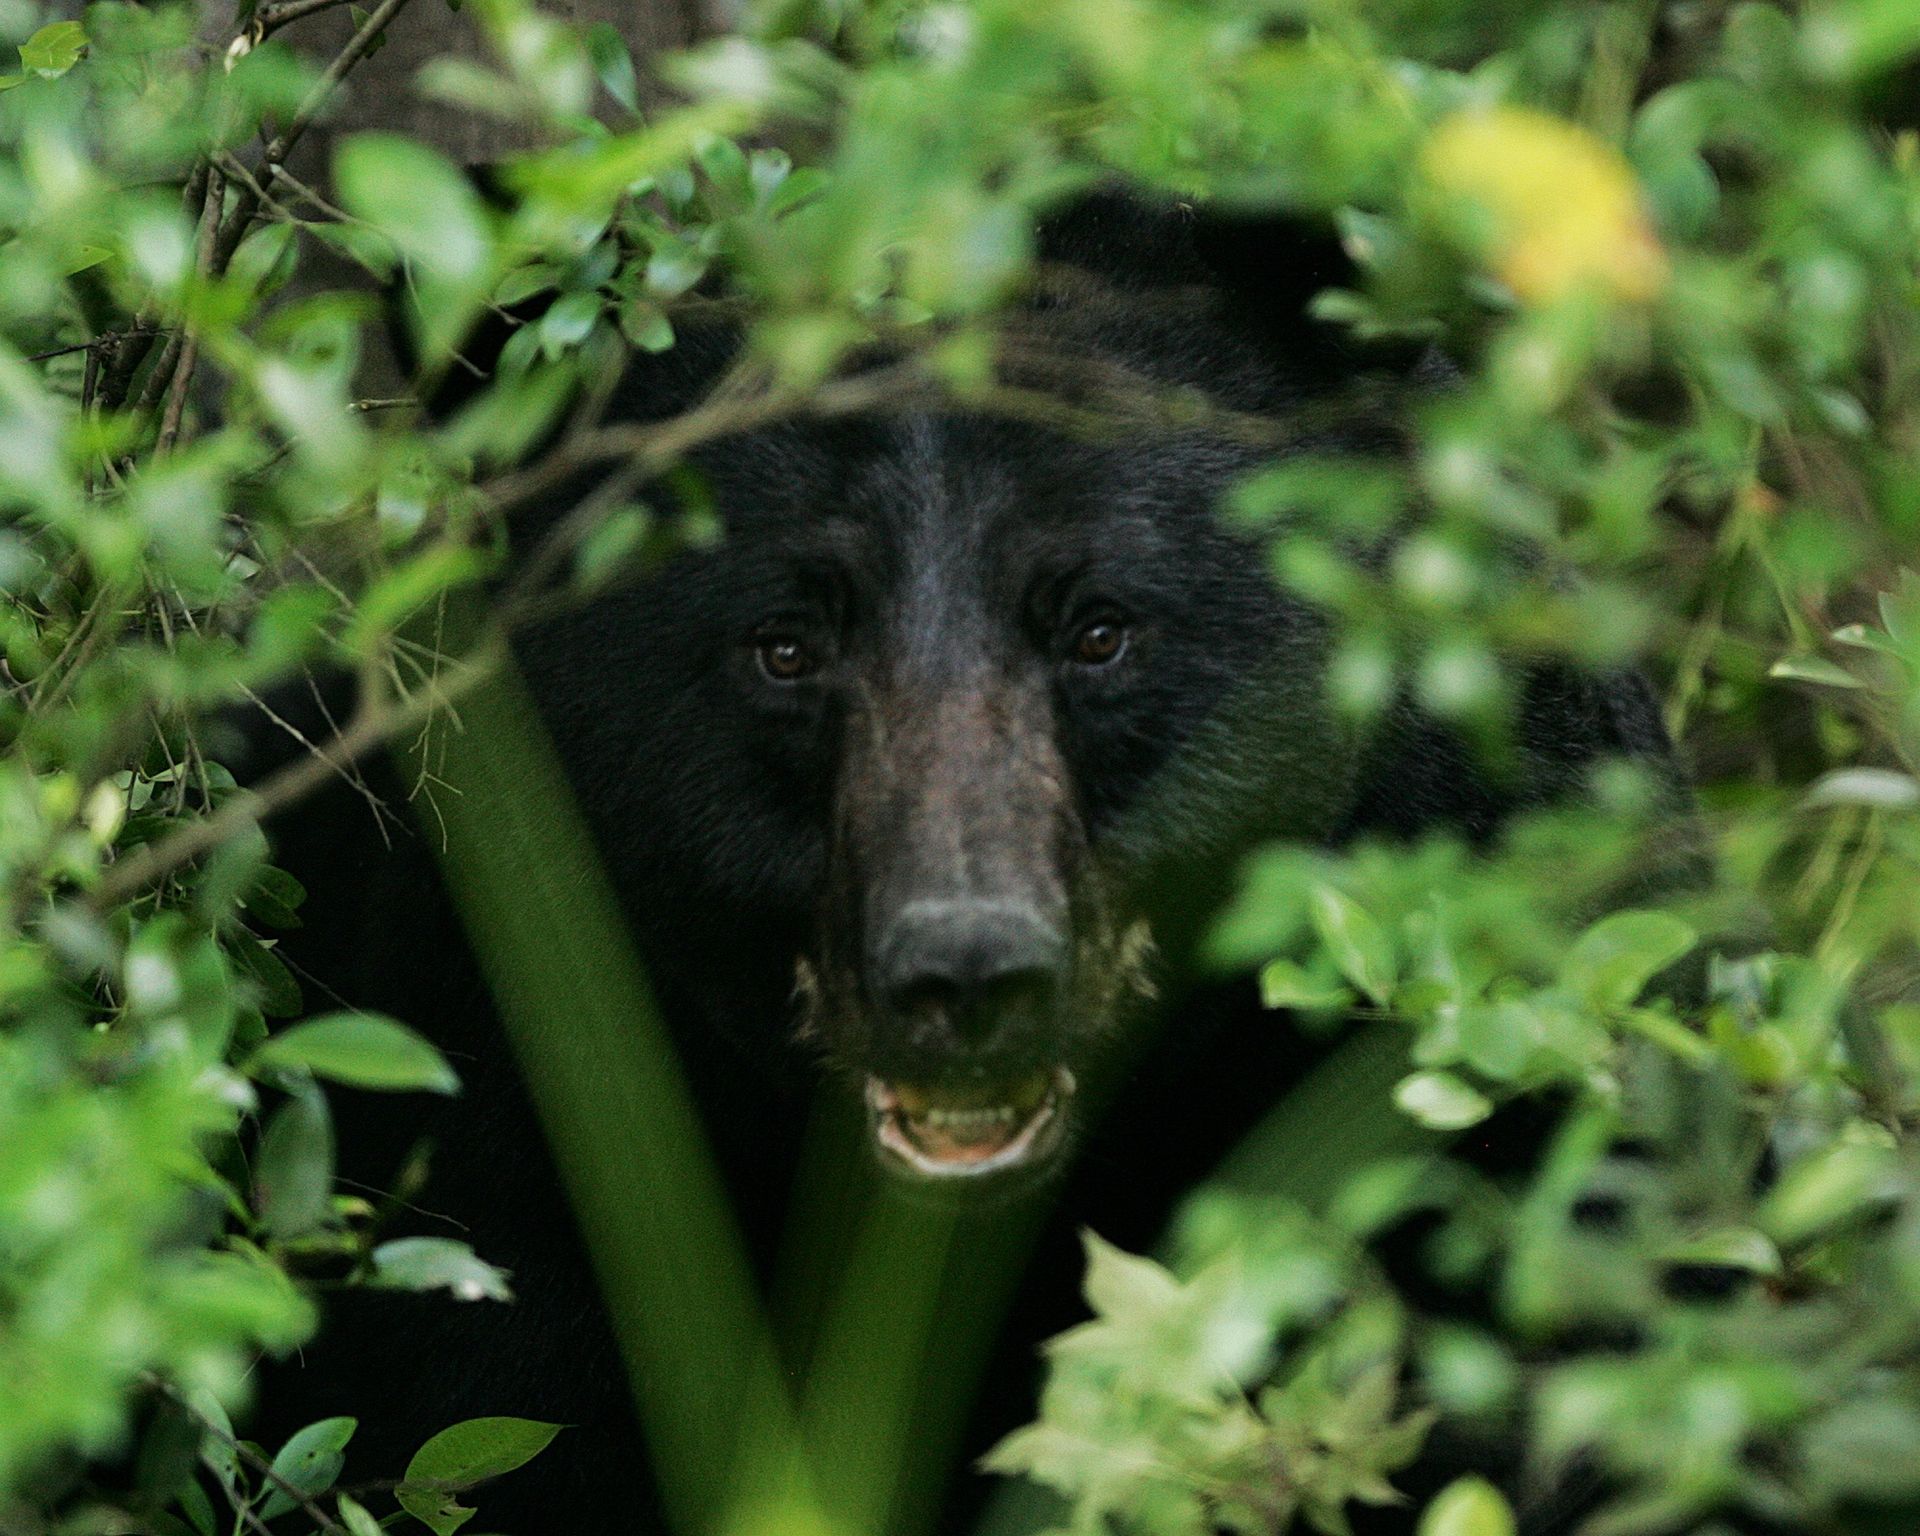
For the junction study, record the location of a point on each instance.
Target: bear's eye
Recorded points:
(786, 658)
(1100, 643)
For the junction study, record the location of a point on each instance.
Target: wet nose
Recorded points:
(972, 963)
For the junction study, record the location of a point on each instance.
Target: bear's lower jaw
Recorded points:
(971, 1132)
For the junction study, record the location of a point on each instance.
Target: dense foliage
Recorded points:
(1670, 248)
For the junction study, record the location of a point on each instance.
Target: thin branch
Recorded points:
(306, 194)
(99, 343)
(190, 348)
(723, 413)
(236, 172)
(269, 19)
(138, 339)
(160, 375)
(251, 1456)
(248, 204)
(372, 727)
(349, 774)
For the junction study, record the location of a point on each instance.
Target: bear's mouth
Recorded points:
(946, 1131)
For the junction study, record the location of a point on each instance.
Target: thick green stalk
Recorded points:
(617, 1113)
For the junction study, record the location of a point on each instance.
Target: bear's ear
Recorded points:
(1264, 269)
(1125, 239)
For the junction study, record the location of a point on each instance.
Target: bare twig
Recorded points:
(269, 19)
(103, 342)
(725, 412)
(373, 726)
(281, 175)
(98, 625)
(237, 173)
(190, 348)
(137, 340)
(349, 773)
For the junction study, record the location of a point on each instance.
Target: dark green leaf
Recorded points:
(293, 1170)
(307, 1464)
(459, 1457)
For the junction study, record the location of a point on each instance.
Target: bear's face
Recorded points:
(943, 696)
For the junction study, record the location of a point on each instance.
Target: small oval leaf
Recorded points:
(1469, 1506)
(1441, 1102)
(363, 1050)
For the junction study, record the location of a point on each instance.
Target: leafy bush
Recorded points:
(1670, 248)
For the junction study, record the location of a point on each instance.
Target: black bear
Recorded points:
(911, 785)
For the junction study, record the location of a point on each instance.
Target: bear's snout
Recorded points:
(968, 972)
(957, 932)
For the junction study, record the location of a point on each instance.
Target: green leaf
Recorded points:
(796, 190)
(1357, 942)
(263, 261)
(409, 586)
(438, 1263)
(363, 1050)
(524, 282)
(568, 322)
(1125, 1285)
(1440, 1101)
(459, 1457)
(1813, 669)
(1469, 1506)
(674, 267)
(1613, 961)
(1286, 985)
(54, 49)
(613, 65)
(1875, 788)
(1740, 1248)
(610, 546)
(360, 19)
(1826, 1187)
(1659, 1026)
(308, 1463)
(279, 995)
(354, 1516)
(646, 325)
(293, 1170)
(417, 198)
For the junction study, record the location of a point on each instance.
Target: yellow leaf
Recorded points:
(1560, 208)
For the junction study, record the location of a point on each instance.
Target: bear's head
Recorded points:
(939, 737)
(989, 657)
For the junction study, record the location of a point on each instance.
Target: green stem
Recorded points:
(616, 1110)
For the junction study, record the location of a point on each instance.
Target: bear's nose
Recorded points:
(971, 965)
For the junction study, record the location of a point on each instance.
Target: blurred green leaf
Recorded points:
(1612, 962)
(1440, 1101)
(438, 1263)
(1469, 1506)
(1358, 944)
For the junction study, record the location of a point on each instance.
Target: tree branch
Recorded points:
(372, 727)
(248, 202)
(190, 347)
